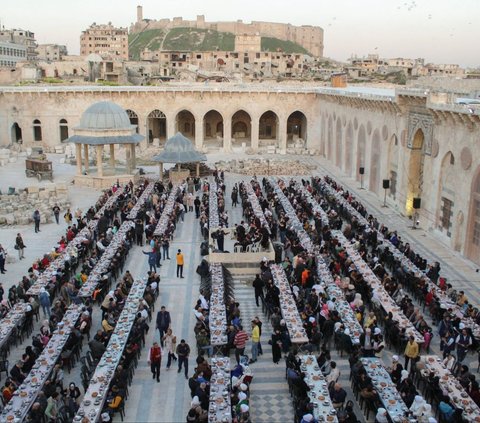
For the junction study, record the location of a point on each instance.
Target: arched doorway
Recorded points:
(37, 130)
(338, 144)
(133, 118)
(156, 125)
(446, 195)
(213, 129)
(361, 141)
(375, 163)
(297, 127)
(241, 128)
(473, 227)
(348, 149)
(415, 171)
(330, 139)
(185, 123)
(63, 125)
(393, 165)
(322, 137)
(268, 129)
(16, 133)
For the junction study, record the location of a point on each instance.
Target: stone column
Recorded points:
(199, 133)
(99, 160)
(112, 157)
(79, 158)
(86, 159)
(133, 157)
(282, 135)
(255, 127)
(227, 135)
(197, 173)
(171, 130)
(160, 168)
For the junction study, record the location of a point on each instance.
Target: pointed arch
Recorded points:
(472, 244)
(330, 138)
(338, 143)
(156, 125)
(415, 170)
(348, 149)
(185, 123)
(392, 165)
(241, 128)
(375, 156)
(297, 126)
(361, 145)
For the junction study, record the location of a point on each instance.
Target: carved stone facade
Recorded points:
(424, 122)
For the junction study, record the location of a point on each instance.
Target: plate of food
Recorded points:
(316, 377)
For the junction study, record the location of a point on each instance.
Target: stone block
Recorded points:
(12, 160)
(10, 219)
(61, 186)
(43, 195)
(59, 149)
(33, 190)
(3, 220)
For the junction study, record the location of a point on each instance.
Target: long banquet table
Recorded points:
(288, 307)
(220, 409)
(12, 320)
(323, 409)
(95, 396)
(257, 209)
(213, 218)
(162, 224)
(105, 260)
(218, 313)
(445, 302)
(387, 303)
(25, 395)
(386, 389)
(456, 392)
(147, 192)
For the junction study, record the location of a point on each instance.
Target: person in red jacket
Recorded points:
(155, 360)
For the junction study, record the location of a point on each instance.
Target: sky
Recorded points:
(441, 31)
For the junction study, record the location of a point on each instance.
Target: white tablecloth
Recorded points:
(27, 392)
(386, 389)
(162, 224)
(218, 314)
(220, 409)
(94, 398)
(320, 398)
(257, 209)
(141, 200)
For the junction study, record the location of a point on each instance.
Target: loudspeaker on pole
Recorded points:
(361, 171)
(386, 183)
(417, 203)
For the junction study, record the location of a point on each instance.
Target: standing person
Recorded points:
(196, 204)
(180, 262)
(139, 232)
(411, 351)
(56, 213)
(259, 324)
(276, 345)
(240, 341)
(255, 341)
(463, 341)
(163, 322)
(19, 246)
(44, 299)
(258, 285)
(165, 247)
(36, 220)
(3, 256)
(183, 351)
(170, 341)
(152, 260)
(155, 360)
(234, 196)
(68, 216)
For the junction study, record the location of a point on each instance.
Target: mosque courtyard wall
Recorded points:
(425, 148)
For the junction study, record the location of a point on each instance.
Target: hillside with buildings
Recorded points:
(198, 39)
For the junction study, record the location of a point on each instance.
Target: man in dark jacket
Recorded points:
(258, 285)
(163, 322)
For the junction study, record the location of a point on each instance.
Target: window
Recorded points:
(446, 217)
(37, 130)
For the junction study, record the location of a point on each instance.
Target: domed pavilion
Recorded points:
(179, 150)
(104, 123)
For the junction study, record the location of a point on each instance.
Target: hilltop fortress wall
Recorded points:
(309, 37)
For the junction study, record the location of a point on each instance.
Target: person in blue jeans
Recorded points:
(152, 260)
(165, 247)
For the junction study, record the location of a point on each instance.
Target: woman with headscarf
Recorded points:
(418, 406)
(276, 346)
(381, 416)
